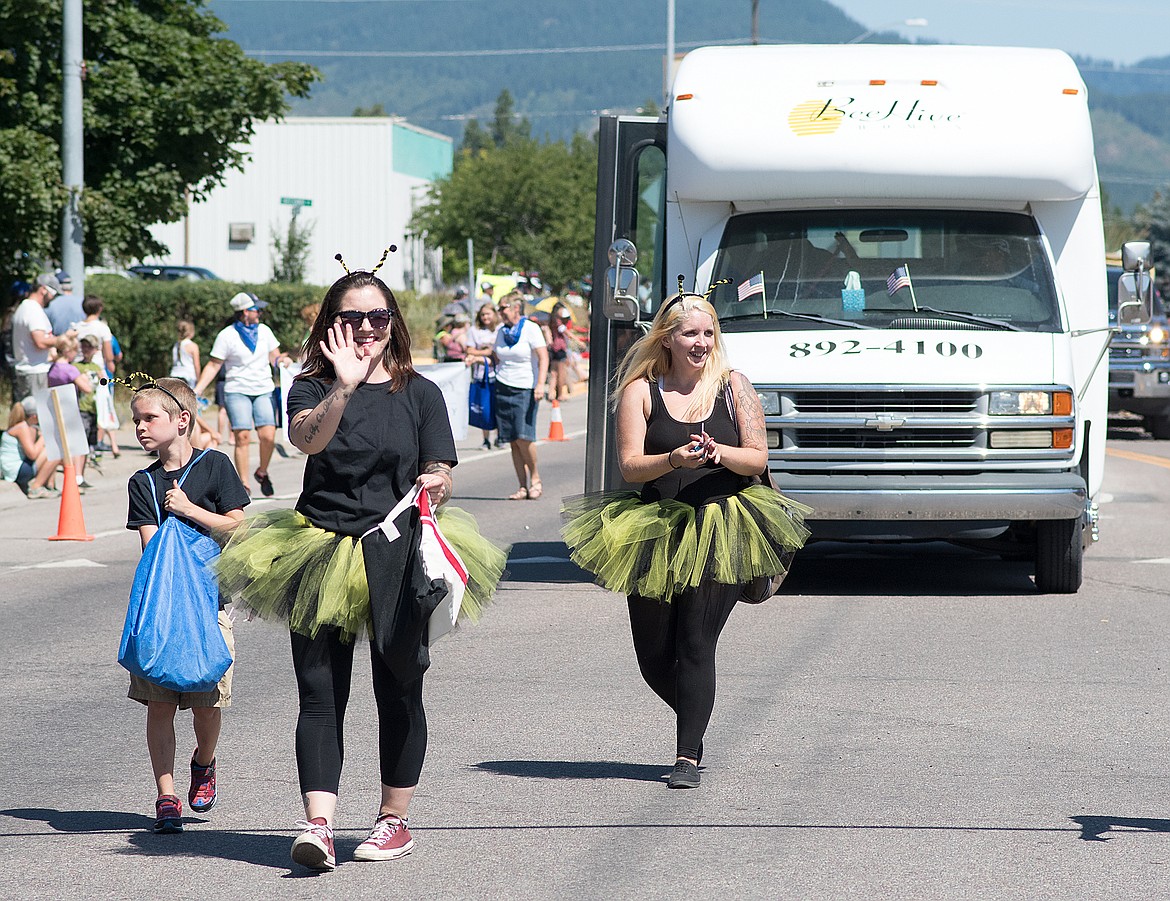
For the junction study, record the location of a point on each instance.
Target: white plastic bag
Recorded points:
(439, 559)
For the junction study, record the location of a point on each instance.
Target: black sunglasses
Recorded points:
(379, 318)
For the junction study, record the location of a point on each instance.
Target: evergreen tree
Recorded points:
(1155, 221)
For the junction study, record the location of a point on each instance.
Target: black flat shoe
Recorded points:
(684, 775)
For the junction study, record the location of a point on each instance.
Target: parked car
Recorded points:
(1139, 364)
(174, 273)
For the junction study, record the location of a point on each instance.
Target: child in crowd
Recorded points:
(185, 366)
(211, 500)
(185, 354)
(92, 369)
(63, 372)
(94, 326)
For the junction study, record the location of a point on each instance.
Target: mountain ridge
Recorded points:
(563, 92)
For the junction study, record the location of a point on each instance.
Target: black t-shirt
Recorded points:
(213, 485)
(371, 463)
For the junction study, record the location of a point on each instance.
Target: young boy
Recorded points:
(87, 403)
(211, 500)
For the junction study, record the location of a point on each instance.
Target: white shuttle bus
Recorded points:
(931, 340)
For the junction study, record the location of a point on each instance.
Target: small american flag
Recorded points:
(898, 280)
(754, 285)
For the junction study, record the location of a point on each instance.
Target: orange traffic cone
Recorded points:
(70, 521)
(556, 426)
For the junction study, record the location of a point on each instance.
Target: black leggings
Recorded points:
(323, 666)
(675, 642)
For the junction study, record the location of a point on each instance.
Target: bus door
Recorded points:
(628, 268)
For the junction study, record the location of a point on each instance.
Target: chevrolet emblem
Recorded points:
(885, 422)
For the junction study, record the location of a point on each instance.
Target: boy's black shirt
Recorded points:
(213, 485)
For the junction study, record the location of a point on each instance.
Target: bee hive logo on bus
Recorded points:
(821, 117)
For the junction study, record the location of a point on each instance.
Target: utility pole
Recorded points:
(755, 22)
(668, 63)
(72, 145)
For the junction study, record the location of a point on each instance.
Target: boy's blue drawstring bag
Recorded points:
(171, 636)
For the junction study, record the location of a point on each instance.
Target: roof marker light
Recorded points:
(1071, 91)
(930, 82)
(685, 97)
(876, 82)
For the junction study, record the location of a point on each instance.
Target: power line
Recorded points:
(516, 51)
(544, 51)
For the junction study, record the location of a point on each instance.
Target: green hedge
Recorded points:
(143, 315)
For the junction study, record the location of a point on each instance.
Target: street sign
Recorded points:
(296, 201)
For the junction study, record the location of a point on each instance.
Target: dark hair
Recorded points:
(396, 357)
(92, 304)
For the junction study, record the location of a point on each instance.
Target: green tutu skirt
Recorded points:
(284, 568)
(663, 548)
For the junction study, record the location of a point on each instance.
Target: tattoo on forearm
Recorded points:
(752, 413)
(322, 412)
(443, 471)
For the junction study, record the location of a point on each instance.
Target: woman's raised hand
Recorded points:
(350, 365)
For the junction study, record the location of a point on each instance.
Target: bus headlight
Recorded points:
(770, 401)
(1030, 403)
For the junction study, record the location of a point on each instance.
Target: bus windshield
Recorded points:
(885, 269)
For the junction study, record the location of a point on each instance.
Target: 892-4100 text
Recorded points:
(917, 348)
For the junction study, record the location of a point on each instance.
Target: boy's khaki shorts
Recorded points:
(220, 696)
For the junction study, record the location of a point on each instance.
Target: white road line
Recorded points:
(79, 563)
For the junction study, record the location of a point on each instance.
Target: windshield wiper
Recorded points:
(971, 317)
(811, 317)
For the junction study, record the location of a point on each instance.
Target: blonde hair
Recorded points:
(182, 392)
(67, 347)
(16, 415)
(649, 358)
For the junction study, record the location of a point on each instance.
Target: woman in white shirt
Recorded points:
(521, 359)
(247, 350)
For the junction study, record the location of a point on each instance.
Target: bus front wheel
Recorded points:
(1059, 556)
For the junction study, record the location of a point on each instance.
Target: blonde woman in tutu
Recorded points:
(691, 432)
(373, 429)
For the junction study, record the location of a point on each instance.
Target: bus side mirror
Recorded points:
(621, 282)
(1135, 287)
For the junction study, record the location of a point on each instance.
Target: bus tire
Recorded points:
(1059, 556)
(1158, 426)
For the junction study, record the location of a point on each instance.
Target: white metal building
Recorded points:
(356, 181)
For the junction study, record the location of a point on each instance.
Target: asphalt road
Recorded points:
(902, 723)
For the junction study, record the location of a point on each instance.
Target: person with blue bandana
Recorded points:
(246, 351)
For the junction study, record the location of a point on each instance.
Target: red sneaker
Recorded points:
(313, 848)
(168, 815)
(201, 796)
(388, 840)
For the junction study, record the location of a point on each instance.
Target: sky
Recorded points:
(1120, 31)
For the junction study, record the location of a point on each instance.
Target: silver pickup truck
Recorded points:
(1139, 364)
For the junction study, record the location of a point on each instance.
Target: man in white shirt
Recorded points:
(247, 350)
(33, 338)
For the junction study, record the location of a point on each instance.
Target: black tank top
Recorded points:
(699, 486)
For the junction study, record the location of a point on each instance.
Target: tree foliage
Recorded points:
(290, 254)
(166, 103)
(1154, 219)
(526, 204)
